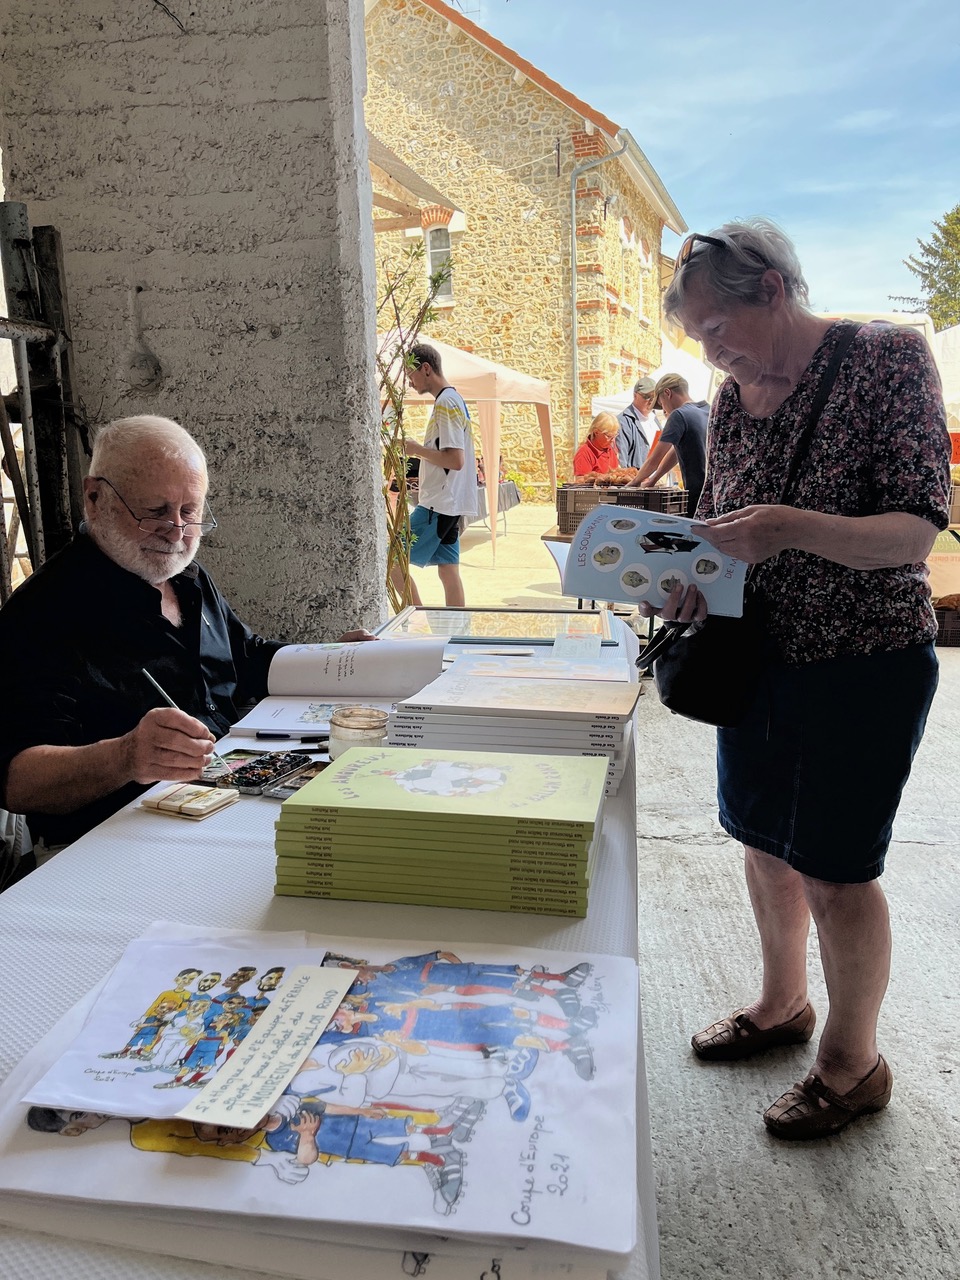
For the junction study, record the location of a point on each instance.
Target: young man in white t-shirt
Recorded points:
(448, 475)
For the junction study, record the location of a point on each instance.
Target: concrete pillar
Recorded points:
(206, 166)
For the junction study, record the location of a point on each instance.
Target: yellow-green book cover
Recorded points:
(391, 856)
(424, 899)
(434, 827)
(457, 895)
(457, 877)
(467, 839)
(400, 784)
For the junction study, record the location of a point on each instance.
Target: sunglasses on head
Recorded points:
(715, 242)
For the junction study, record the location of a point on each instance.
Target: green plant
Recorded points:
(405, 310)
(528, 492)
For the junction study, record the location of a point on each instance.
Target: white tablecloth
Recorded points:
(65, 925)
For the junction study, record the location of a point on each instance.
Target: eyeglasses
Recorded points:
(715, 242)
(147, 524)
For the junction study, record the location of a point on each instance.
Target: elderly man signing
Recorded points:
(83, 730)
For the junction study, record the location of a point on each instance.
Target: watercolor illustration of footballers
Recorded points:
(200, 1059)
(298, 1133)
(147, 1032)
(425, 1054)
(158, 1016)
(184, 1030)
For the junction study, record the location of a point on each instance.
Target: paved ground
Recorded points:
(521, 573)
(880, 1200)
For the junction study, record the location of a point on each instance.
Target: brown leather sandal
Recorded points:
(739, 1036)
(811, 1109)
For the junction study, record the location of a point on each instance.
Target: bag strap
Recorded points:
(850, 331)
(664, 640)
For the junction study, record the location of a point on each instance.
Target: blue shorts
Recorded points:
(814, 773)
(436, 537)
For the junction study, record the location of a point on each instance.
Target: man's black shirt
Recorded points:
(75, 639)
(686, 430)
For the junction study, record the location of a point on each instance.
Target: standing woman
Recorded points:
(810, 779)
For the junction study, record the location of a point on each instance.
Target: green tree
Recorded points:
(937, 267)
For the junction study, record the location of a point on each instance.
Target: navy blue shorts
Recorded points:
(814, 773)
(436, 537)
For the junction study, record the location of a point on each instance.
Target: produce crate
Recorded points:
(955, 504)
(948, 627)
(670, 501)
(575, 501)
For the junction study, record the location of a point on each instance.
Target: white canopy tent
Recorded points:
(488, 385)
(946, 351)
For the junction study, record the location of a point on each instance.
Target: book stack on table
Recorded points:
(566, 718)
(495, 831)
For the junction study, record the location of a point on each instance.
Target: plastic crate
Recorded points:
(670, 501)
(948, 627)
(574, 501)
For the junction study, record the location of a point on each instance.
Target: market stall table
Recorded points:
(63, 927)
(508, 497)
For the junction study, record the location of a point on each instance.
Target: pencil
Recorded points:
(170, 703)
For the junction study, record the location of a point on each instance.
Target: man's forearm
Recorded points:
(62, 779)
(451, 459)
(661, 459)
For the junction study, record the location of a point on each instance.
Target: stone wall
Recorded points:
(211, 188)
(458, 116)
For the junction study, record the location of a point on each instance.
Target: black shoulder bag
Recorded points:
(709, 671)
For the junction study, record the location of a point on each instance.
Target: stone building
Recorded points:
(206, 167)
(552, 217)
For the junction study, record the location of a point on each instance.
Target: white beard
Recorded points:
(155, 560)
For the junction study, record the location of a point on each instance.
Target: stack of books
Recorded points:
(572, 718)
(495, 831)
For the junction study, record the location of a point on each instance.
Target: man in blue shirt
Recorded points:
(638, 426)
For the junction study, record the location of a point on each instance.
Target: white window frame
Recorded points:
(446, 296)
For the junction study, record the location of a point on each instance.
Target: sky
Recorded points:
(838, 119)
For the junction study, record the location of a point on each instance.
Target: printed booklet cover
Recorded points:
(418, 788)
(477, 1092)
(627, 554)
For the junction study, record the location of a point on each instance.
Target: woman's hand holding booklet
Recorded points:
(648, 559)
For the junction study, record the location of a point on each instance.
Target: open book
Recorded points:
(628, 554)
(307, 682)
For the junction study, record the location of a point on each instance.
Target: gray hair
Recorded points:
(752, 247)
(118, 444)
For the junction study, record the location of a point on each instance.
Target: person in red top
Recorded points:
(598, 452)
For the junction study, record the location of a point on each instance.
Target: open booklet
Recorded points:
(627, 554)
(307, 682)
